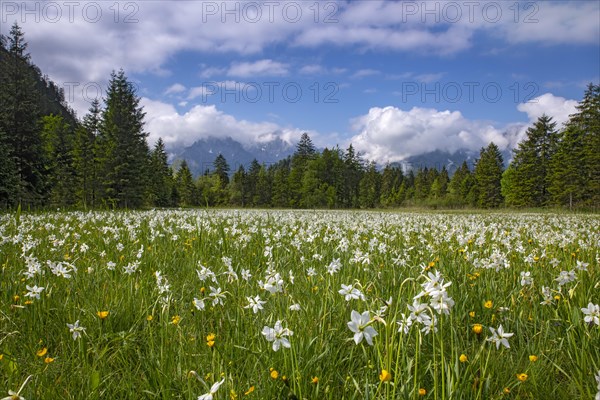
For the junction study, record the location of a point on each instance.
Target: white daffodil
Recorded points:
(246, 275)
(76, 330)
(499, 337)
(565, 277)
(334, 266)
(198, 303)
(526, 278)
(592, 313)
(277, 335)
(13, 396)
(34, 291)
(217, 296)
(404, 324)
(213, 390)
(349, 292)
(205, 273)
(418, 312)
(359, 324)
(255, 303)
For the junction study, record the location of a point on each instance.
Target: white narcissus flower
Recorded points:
(75, 329)
(199, 304)
(277, 335)
(34, 291)
(217, 295)
(13, 396)
(213, 390)
(359, 324)
(255, 303)
(350, 292)
(526, 278)
(592, 313)
(499, 337)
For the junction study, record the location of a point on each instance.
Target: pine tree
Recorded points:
(574, 177)
(85, 154)
(184, 182)
(439, 186)
(161, 181)
(252, 183)
(305, 151)
(527, 183)
(237, 187)
(280, 184)
(352, 176)
(391, 179)
(8, 173)
(19, 117)
(262, 197)
(369, 187)
(58, 139)
(488, 176)
(221, 168)
(124, 148)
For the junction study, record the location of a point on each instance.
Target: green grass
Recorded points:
(153, 345)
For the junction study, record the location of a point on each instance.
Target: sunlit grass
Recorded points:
(178, 333)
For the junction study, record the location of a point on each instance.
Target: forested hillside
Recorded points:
(49, 158)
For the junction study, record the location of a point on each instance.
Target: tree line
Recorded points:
(49, 158)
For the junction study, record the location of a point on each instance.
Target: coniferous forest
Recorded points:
(49, 158)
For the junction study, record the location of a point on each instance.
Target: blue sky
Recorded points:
(394, 78)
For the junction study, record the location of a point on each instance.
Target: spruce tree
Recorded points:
(369, 187)
(237, 187)
(574, 177)
(488, 176)
(185, 185)
(86, 156)
(124, 148)
(8, 173)
(58, 139)
(527, 185)
(19, 120)
(221, 168)
(161, 181)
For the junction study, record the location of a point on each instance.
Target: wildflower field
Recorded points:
(225, 304)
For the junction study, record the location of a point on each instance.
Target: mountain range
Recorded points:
(202, 153)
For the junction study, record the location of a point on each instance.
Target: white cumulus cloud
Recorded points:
(200, 122)
(390, 134)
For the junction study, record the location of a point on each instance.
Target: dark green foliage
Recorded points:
(85, 154)
(221, 169)
(59, 140)
(184, 182)
(161, 182)
(488, 174)
(574, 177)
(124, 154)
(19, 116)
(527, 183)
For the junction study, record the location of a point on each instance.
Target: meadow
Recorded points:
(226, 304)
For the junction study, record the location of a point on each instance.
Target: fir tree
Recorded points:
(488, 175)
(185, 185)
(527, 184)
(221, 168)
(19, 116)
(124, 147)
(161, 182)
(58, 139)
(85, 153)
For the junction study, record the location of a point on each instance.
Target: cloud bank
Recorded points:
(390, 134)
